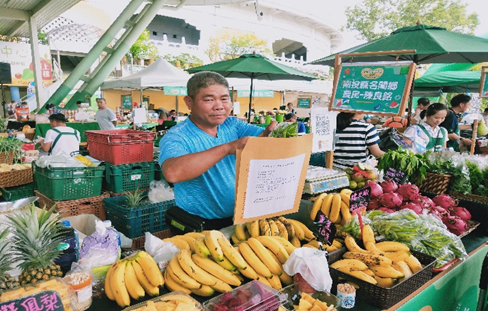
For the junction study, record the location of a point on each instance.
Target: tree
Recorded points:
(374, 19)
(229, 46)
(184, 60)
(142, 48)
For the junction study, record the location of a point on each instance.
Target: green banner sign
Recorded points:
(255, 93)
(304, 102)
(127, 101)
(175, 90)
(484, 84)
(376, 88)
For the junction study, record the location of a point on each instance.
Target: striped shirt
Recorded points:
(352, 142)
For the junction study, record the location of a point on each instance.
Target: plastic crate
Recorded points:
(121, 146)
(135, 221)
(138, 243)
(19, 192)
(69, 183)
(293, 295)
(93, 205)
(128, 177)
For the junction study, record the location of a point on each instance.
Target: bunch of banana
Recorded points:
(336, 244)
(133, 276)
(334, 205)
(289, 229)
(171, 302)
(384, 263)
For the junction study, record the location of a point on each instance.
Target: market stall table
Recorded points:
(42, 128)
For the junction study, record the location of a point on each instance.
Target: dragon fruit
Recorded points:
(390, 200)
(455, 224)
(414, 207)
(376, 189)
(445, 201)
(439, 209)
(424, 202)
(408, 192)
(389, 186)
(386, 210)
(460, 212)
(373, 204)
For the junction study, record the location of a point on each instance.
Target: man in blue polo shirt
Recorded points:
(198, 155)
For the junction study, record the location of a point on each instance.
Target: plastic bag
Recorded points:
(312, 266)
(160, 191)
(59, 159)
(161, 251)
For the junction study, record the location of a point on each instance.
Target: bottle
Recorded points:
(69, 248)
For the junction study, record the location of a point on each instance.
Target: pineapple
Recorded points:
(35, 243)
(6, 281)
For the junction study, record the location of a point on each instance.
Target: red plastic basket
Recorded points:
(121, 146)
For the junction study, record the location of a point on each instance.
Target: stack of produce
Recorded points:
(384, 263)
(359, 174)
(334, 205)
(171, 302)
(307, 302)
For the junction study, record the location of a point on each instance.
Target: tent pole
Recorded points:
(176, 104)
(250, 102)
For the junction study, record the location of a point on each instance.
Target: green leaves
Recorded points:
(413, 165)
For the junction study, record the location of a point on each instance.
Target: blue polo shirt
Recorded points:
(212, 194)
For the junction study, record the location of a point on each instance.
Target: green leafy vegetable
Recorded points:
(412, 164)
(283, 130)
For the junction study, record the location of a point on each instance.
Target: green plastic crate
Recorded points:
(19, 192)
(69, 183)
(135, 222)
(128, 177)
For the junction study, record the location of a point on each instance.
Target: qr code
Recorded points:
(322, 125)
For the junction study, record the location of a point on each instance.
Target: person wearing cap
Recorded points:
(60, 138)
(291, 117)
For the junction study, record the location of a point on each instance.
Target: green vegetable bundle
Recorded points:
(284, 130)
(412, 164)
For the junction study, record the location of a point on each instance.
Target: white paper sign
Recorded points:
(140, 115)
(323, 126)
(275, 186)
(237, 108)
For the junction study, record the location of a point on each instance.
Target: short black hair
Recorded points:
(459, 99)
(486, 109)
(49, 106)
(424, 101)
(78, 102)
(204, 79)
(58, 117)
(288, 116)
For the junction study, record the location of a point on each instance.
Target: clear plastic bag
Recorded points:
(160, 191)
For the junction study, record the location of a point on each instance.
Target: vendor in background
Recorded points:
(162, 117)
(172, 115)
(290, 109)
(290, 117)
(51, 109)
(428, 135)
(106, 118)
(60, 138)
(422, 104)
(22, 112)
(198, 154)
(355, 140)
(459, 104)
(11, 109)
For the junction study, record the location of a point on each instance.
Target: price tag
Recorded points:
(324, 229)
(395, 175)
(359, 198)
(46, 300)
(136, 177)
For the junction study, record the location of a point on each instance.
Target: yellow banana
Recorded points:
(205, 291)
(314, 243)
(392, 246)
(386, 272)
(150, 268)
(286, 244)
(369, 272)
(351, 263)
(413, 263)
(107, 284)
(213, 245)
(345, 212)
(264, 228)
(178, 242)
(195, 235)
(180, 276)
(234, 239)
(274, 246)
(308, 234)
(317, 205)
(217, 271)
(368, 259)
(309, 245)
(368, 234)
(281, 228)
(385, 282)
(178, 298)
(253, 228)
(397, 256)
(286, 279)
(141, 277)
(263, 254)
(339, 217)
(359, 274)
(263, 280)
(295, 241)
(335, 208)
(274, 228)
(337, 243)
(253, 260)
(133, 287)
(118, 285)
(371, 247)
(346, 195)
(274, 257)
(403, 268)
(194, 271)
(226, 264)
(330, 248)
(326, 204)
(275, 282)
(240, 232)
(172, 285)
(201, 248)
(352, 245)
(289, 227)
(230, 253)
(190, 240)
(222, 287)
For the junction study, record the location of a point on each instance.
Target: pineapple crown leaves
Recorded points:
(6, 261)
(36, 237)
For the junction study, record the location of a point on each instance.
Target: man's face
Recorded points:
(422, 107)
(465, 106)
(210, 107)
(293, 119)
(101, 104)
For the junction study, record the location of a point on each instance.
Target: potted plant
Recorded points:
(10, 150)
(269, 114)
(280, 114)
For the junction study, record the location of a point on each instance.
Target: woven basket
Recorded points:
(92, 205)
(469, 197)
(7, 157)
(436, 183)
(16, 178)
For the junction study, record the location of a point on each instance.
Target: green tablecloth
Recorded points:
(42, 128)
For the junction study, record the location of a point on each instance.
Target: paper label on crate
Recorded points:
(136, 177)
(46, 300)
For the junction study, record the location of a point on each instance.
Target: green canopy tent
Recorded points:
(448, 82)
(254, 66)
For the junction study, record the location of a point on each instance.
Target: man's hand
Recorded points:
(269, 129)
(237, 144)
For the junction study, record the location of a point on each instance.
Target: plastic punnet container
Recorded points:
(81, 284)
(292, 296)
(250, 296)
